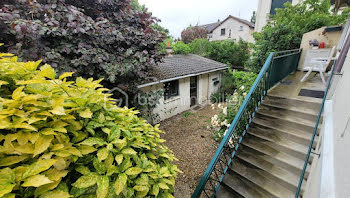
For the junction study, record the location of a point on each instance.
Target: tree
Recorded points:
(253, 18)
(102, 39)
(287, 27)
(193, 32)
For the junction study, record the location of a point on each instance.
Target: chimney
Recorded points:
(168, 49)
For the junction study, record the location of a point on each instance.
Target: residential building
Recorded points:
(232, 28)
(185, 81)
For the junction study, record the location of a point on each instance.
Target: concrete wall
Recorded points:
(173, 106)
(330, 174)
(330, 38)
(236, 33)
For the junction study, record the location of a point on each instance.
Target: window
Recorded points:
(171, 89)
(229, 34)
(223, 31)
(240, 28)
(215, 81)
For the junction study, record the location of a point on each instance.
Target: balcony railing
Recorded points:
(277, 66)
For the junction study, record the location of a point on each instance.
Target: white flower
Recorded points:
(224, 111)
(212, 105)
(235, 94)
(242, 88)
(225, 132)
(244, 94)
(220, 106)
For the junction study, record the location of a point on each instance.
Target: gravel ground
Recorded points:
(193, 144)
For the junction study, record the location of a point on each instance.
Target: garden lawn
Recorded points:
(193, 144)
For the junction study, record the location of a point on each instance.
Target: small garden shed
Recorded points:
(183, 81)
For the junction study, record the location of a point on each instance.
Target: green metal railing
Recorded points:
(314, 133)
(285, 62)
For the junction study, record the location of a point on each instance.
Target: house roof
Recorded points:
(234, 18)
(209, 27)
(181, 66)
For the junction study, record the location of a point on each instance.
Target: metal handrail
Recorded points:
(229, 134)
(314, 133)
(220, 163)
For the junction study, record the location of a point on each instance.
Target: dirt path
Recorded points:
(192, 143)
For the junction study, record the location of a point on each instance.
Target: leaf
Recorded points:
(65, 75)
(163, 186)
(86, 113)
(17, 93)
(44, 188)
(85, 149)
(119, 158)
(58, 110)
(10, 195)
(38, 167)
(86, 181)
(56, 193)
(129, 151)
(133, 171)
(83, 170)
(36, 181)
(155, 190)
(47, 71)
(42, 144)
(141, 188)
(7, 161)
(54, 175)
(3, 83)
(102, 186)
(24, 126)
(120, 183)
(102, 154)
(115, 133)
(5, 187)
(93, 141)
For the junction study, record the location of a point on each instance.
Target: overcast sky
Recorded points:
(178, 14)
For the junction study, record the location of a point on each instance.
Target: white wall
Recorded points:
(236, 34)
(173, 106)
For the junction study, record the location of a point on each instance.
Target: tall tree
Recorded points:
(253, 18)
(107, 39)
(193, 32)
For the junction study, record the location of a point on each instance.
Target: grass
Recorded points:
(188, 113)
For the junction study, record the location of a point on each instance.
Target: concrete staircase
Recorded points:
(270, 159)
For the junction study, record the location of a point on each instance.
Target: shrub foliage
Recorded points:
(62, 138)
(193, 32)
(108, 39)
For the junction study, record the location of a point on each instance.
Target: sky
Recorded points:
(176, 15)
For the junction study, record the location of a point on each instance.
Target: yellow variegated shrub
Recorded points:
(62, 138)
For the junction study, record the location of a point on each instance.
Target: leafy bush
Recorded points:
(287, 27)
(181, 48)
(101, 39)
(232, 80)
(235, 54)
(200, 47)
(63, 138)
(229, 52)
(193, 32)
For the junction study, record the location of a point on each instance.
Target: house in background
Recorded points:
(232, 28)
(184, 81)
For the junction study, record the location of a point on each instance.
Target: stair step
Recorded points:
(295, 116)
(294, 136)
(254, 175)
(224, 192)
(288, 162)
(244, 187)
(294, 104)
(271, 171)
(283, 124)
(293, 149)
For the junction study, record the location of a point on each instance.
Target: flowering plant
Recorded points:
(228, 110)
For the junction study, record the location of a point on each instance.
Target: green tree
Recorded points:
(106, 39)
(181, 48)
(253, 18)
(287, 27)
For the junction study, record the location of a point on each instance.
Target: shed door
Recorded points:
(193, 90)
